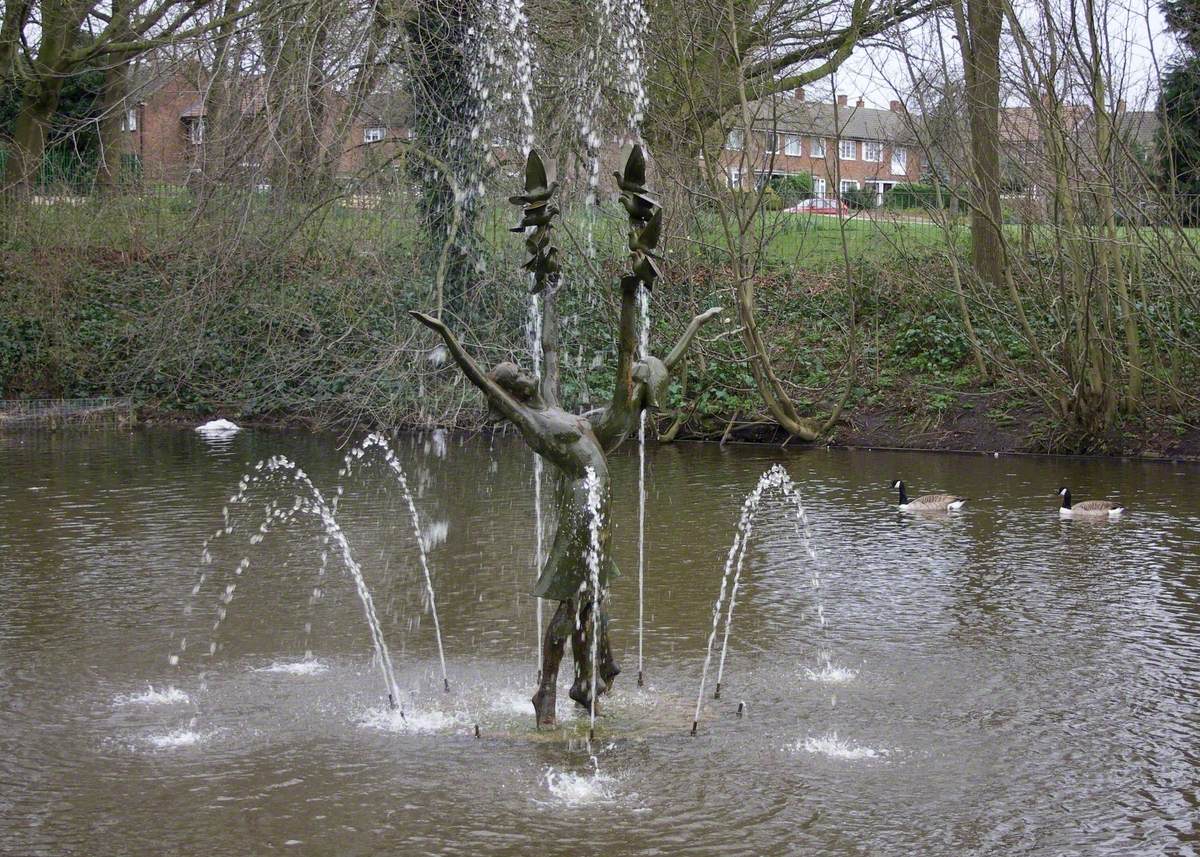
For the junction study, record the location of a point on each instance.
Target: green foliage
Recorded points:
(1179, 112)
(770, 201)
(1179, 135)
(863, 199)
(792, 189)
(914, 195)
(1183, 17)
(932, 344)
(20, 341)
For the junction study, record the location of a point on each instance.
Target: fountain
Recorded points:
(776, 479)
(578, 445)
(313, 502)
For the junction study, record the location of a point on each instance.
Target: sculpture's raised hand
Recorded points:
(429, 321)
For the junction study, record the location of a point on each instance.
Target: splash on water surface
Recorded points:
(568, 788)
(177, 738)
(305, 667)
(829, 674)
(414, 722)
(834, 747)
(169, 695)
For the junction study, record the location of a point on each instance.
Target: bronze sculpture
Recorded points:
(576, 444)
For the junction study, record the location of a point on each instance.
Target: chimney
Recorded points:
(895, 107)
(800, 93)
(841, 101)
(858, 104)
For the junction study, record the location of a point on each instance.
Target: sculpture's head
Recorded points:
(516, 383)
(652, 374)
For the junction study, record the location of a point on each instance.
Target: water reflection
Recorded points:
(1000, 681)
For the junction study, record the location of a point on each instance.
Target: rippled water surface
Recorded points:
(1001, 681)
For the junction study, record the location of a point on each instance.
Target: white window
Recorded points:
(819, 187)
(374, 134)
(848, 185)
(129, 120)
(872, 151)
(734, 141)
(899, 161)
(196, 132)
(847, 150)
(816, 145)
(735, 178)
(792, 146)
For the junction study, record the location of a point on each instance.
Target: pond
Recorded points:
(999, 680)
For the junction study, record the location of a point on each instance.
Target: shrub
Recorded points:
(770, 198)
(915, 195)
(860, 198)
(792, 189)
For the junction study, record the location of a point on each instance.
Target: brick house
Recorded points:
(841, 147)
(159, 125)
(166, 127)
(1025, 171)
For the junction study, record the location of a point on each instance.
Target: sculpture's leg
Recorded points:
(581, 651)
(609, 669)
(562, 623)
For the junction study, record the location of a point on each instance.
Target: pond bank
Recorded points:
(961, 430)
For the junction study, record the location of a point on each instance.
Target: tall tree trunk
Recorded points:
(1114, 267)
(979, 27)
(442, 102)
(113, 130)
(30, 131)
(60, 26)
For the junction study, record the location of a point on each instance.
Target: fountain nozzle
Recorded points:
(717, 694)
(446, 682)
(695, 725)
(640, 682)
(476, 730)
(391, 702)
(741, 709)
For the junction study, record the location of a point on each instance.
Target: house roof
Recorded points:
(1021, 125)
(194, 110)
(1141, 126)
(793, 115)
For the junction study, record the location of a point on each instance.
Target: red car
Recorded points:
(819, 205)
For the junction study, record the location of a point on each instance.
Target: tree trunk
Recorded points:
(29, 136)
(112, 125)
(979, 37)
(60, 26)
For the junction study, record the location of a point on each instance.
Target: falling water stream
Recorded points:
(643, 352)
(533, 332)
(377, 441)
(592, 585)
(316, 504)
(776, 479)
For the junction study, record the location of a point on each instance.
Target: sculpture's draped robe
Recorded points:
(566, 568)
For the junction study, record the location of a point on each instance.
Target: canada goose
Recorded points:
(929, 502)
(1088, 508)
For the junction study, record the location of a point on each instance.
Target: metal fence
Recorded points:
(92, 411)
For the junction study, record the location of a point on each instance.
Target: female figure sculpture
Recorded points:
(575, 445)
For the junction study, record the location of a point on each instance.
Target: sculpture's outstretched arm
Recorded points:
(615, 422)
(497, 395)
(685, 341)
